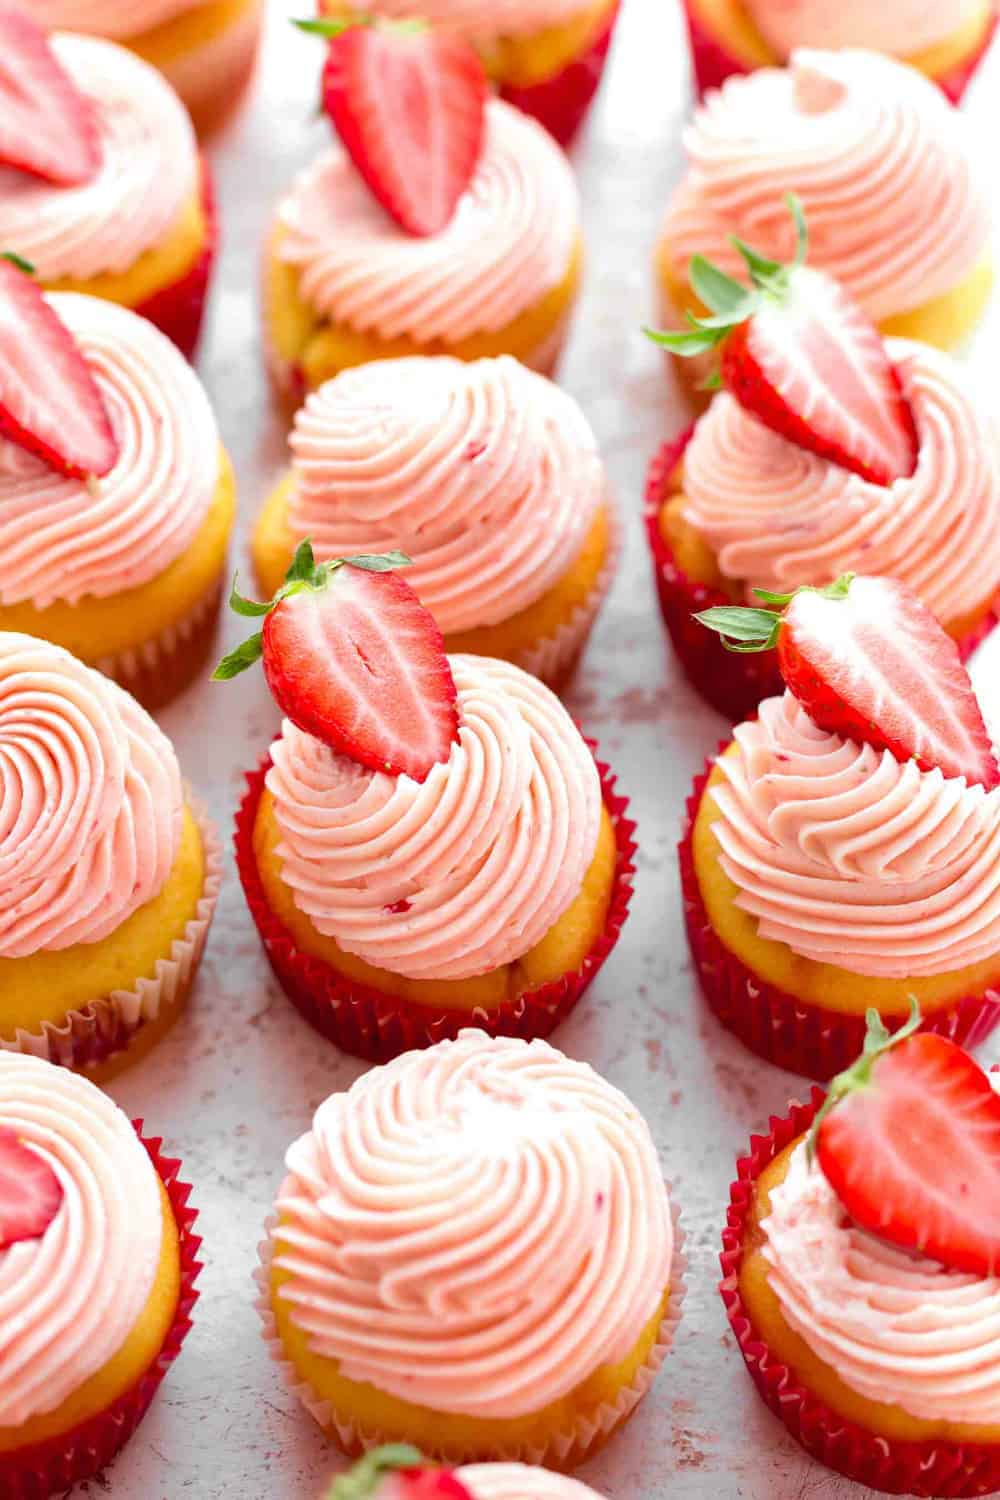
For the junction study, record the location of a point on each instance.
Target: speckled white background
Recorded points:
(241, 1075)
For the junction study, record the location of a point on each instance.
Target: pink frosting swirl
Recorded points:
(461, 873)
(900, 27)
(63, 539)
(510, 242)
(476, 1227)
(878, 157)
(70, 1299)
(479, 20)
(149, 170)
(447, 460)
(521, 1482)
(118, 19)
(776, 516)
(854, 858)
(896, 1327)
(90, 801)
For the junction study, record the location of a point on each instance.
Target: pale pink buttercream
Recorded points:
(70, 1298)
(896, 1327)
(463, 872)
(509, 243)
(90, 801)
(521, 1482)
(776, 516)
(475, 1228)
(64, 539)
(485, 474)
(149, 170)
(875, 152)
(852, 857)
(900, 27)
(118, 19)
(481, 21)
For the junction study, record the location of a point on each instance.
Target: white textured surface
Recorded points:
(241, 1075)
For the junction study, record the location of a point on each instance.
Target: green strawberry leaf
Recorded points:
(688, 341)
(240, 605)
(720, 292)
(18, 261)
(742, 629)
(362, 1480)
(303, 568)
(239, 660)
(794, 204)
(380, 562)
(327, 27)
(878, 1041)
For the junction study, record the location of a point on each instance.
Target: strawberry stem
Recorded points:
(878, 1041)
(362, 1480)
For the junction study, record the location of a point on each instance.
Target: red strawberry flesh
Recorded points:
(409, 105)
(47, 127)
(30, 1192)
(49, 400)
(361, 665)
(914, 1156)
(875, 666)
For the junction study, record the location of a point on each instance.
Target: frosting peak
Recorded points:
(476, 1227)
(90, 801)
(449, 461)
(509, 243)
(900, 27)
(878, 157)
(459, 874)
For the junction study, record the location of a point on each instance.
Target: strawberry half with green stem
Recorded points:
(397, 1471)
(909, 1140)
(409, 105)
(49, 400)
(352, 657)
(867, 660)
(799, 354)
(30, 1192)
(47, 127)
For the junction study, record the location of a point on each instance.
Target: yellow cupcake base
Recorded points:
(208, 54)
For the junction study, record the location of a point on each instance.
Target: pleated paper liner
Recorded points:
(377, 1026)
(99, 1035)
(572, 1445)
(779, 1027)
(53, 1467)
(926, 1469)
(713, 64)
(561, 103)
(160, 668)
(178, 310)
(731, 682)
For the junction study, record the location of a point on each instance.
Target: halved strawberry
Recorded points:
(409, 105)
(396, 1471)
(803, 358)
(909, 1140)
(47, 127)
(30, 1192)
(49, 401)
(352, 657)
(869, 661)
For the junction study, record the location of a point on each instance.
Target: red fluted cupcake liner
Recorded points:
(561, 102)
(781, 1028)
(713, 64)
(898, 1468)
(377, 1026)
(53, 1467)
(730, 681)
(178, 310)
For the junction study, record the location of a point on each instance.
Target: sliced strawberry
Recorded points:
(30, 1192)
(47, 127)
(397, 1471)
(869, 661)
(909, 1140)
(49, 401)
(802, 357)
(352, 657)
(409, 105)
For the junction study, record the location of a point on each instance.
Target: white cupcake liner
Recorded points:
(104, 1028)
(567, 1448)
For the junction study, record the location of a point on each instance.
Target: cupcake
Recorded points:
(860, 1268)
(794, 476)
(97, 1271)
(502, 1221)
(429, 839)
(206, 49)
(126, 570)
(485, 474)
(108, 871)
(883, 168)
(398, 1471)
(546, 58)
(843, 852)
(345, 283)
(944, 39)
